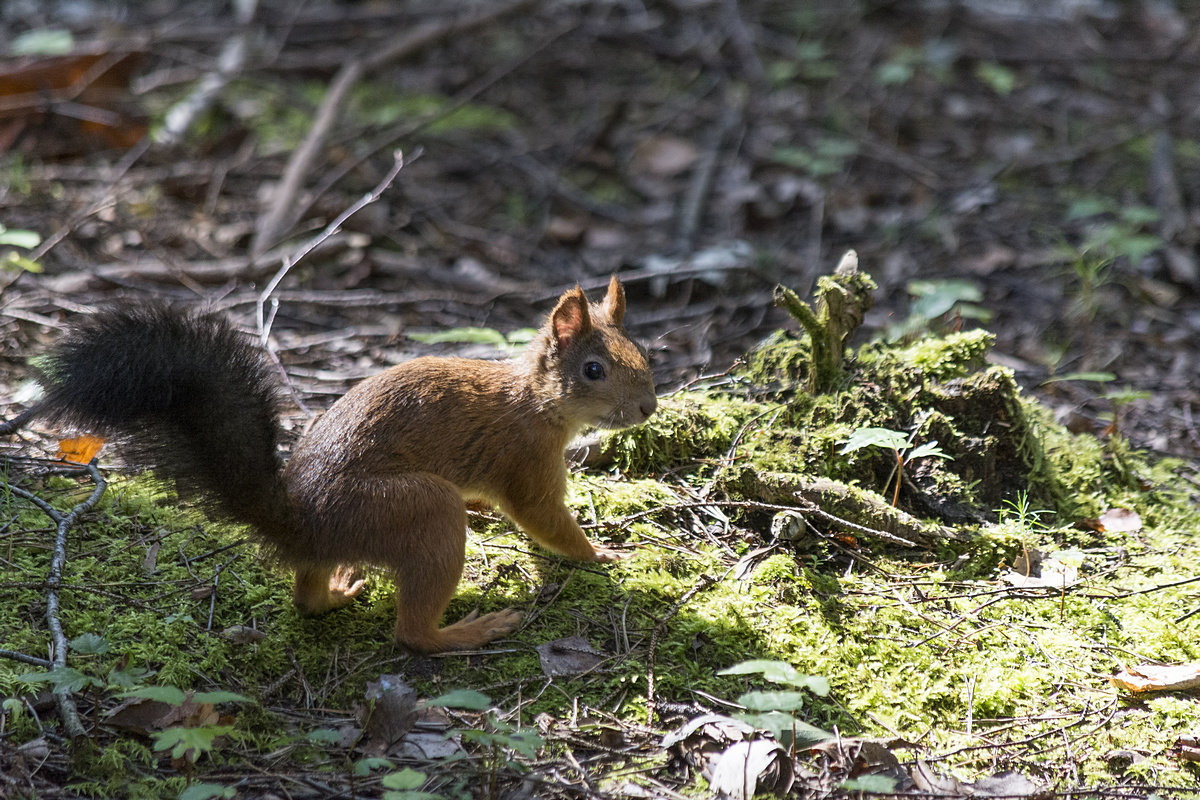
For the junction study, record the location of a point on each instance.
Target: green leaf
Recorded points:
(930, 448)
(1087, 207)
(12, 261)
(1099, 377)
(43, 42)
(404, 779)
(14, 707)
(935, 298)
(1126, 395)
(780, 672)
(16, 237)
(205, 791)
(63, 679)
(1139, 215)
(89, 644)
(772, 701)
(874, 437)
(875, 784)
(776, 671)
(785, 728)
(163, 694)
(363, 766)
(220, 697)
(191, 741)
(463, 698)
(127, 678)
(522, 336)
(323, 736)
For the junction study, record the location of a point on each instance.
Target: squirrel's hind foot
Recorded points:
(468, 633)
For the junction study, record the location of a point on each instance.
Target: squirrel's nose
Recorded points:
(648, 406)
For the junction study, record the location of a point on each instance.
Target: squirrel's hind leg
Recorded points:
(428, 570)
(416, 524)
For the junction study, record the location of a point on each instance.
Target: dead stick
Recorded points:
(278, 217)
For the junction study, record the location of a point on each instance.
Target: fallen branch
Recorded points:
(854, 509)
(58, 640)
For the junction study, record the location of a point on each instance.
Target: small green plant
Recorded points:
(406, 784)
(498, 738)
(1115, 231)
(774, 710)
(1021, 514)
(899, 443)
(186, 743)
(11, 260)
(828, 156)
(952, 300)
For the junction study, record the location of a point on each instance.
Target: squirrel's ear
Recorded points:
(614, 302)
(570, 318)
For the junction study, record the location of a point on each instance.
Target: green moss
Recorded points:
(686, 431)
(923, 643)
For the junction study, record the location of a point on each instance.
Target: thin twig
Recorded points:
(264, 323)
(702, 584)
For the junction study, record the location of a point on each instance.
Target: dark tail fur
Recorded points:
(184, 392)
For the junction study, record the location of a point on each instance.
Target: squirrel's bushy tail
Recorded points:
(183, 392)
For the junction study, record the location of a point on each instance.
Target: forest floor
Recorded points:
(1028, 168)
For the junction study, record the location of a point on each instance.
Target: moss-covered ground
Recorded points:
(922, 644)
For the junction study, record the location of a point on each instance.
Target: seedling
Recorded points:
(899, 444)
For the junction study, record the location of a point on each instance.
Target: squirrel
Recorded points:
(383, 476)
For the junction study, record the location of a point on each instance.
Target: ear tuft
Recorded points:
(570, 319)
(614, 302)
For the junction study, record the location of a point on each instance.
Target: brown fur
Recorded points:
(383, 476)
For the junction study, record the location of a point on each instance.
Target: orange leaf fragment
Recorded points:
(80, 449)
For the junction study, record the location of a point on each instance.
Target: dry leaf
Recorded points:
(1157, 678)
(1186, 748)
(570, 656)
(390, 713)
(1120, 519)
(663, 156)
(80, 449)
(746, 767)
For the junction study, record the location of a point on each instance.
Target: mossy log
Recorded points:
(837, 503)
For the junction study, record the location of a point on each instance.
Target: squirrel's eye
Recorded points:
(593, 370)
